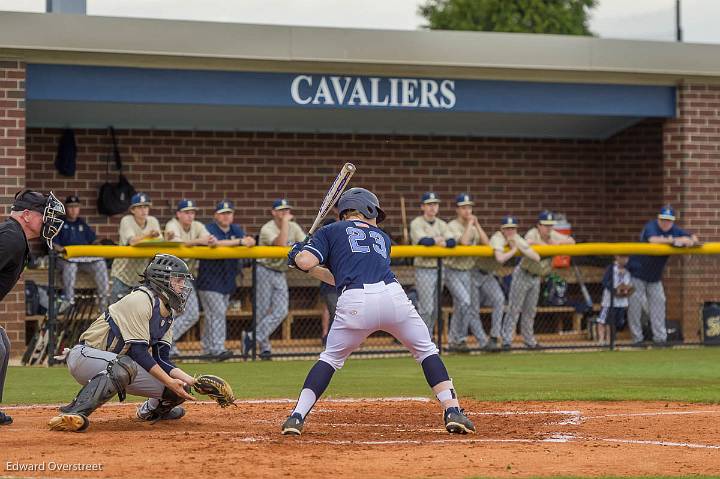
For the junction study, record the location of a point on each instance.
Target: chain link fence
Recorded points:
(251, 309)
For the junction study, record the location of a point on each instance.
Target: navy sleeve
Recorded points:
(161, 354)
(139, 353)
(237, 231)
(451, 243)
(319, 244)
(426, 241)
(678, 232)
(90, 236)
(651, 229)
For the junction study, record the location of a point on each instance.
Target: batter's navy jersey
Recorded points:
(355, 252)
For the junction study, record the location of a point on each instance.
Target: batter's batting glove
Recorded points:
(297, 247)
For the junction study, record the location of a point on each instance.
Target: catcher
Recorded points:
(126, 350)
(617, 288)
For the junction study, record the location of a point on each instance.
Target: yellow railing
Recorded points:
(148, 249)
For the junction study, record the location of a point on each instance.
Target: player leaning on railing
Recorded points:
(355, 255)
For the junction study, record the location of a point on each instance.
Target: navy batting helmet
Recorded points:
(363, 201)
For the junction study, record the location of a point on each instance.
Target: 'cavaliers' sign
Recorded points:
(373, 92)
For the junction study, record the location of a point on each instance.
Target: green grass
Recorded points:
(677, 375)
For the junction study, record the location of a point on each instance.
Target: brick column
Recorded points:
(12, 178)
(691, 165)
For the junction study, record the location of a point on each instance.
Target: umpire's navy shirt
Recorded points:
(650, 268)
(75, 232)
(14, 253)
(219, 274)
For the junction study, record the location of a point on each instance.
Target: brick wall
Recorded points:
(691, 162)
(252, 169)
(12, 178)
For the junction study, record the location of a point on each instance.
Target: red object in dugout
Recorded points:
(562, 261)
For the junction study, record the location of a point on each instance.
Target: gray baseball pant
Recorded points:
(491, 294)
(99, 271)
(4, 358)
(426, 286)
(459, 282)
(214, 332)
(523, 299)
(648, 296)
(272, 303)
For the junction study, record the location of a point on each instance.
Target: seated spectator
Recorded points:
(76, 231)
(617, 287)
(136, 227)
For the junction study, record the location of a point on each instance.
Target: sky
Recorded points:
(636, 19)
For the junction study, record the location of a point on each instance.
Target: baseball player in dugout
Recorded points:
(186, 230)
(353, 254)
(428, 230)
(136, 227)
(273, 296)
(32, 215)
(526, 281)
(465, 229)
(647, 274)
(505, 243)
(126, 351)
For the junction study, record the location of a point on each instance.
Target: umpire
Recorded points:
(33, 215)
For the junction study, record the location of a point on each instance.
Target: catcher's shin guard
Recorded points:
(168, 401)
(120, 372)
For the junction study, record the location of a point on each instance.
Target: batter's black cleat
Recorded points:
(71, 422)
(5, 420)
(456, 422)
(293, 425)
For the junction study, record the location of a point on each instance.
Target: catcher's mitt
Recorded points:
(215, 387)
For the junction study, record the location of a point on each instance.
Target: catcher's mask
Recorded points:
(169, 277)
(49, 206)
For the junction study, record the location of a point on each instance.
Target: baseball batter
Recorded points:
(428, 230)
(126, 350)
(526, 279)
(356, 258)
(465, 230)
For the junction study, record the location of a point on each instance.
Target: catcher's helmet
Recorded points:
(363, 201)
(169, 277)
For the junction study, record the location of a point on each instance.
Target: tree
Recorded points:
(565, 17)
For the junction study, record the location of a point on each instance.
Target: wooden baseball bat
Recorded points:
(333, 194)
(403, 215)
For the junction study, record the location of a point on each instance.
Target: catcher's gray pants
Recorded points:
(459, 282)
(99, 271)
(85, 362)
(188, 318)
(4, 358)
(272, 303)
(214, 332)
(426, 286)
(523, 299)
(649, 297)
(119, 290)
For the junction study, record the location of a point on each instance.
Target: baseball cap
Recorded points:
(72, 200)
(224, 206)
(281, 205)
(29, 200)
(140, 199)
(546, 218)
(186, 205)
(463, 199)
(667, 213)
(429, 198)
(509, 222)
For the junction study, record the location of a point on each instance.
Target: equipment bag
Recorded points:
(114, 198)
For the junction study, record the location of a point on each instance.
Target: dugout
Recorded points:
(604, 131)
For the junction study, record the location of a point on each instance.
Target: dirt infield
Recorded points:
(374, 438)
